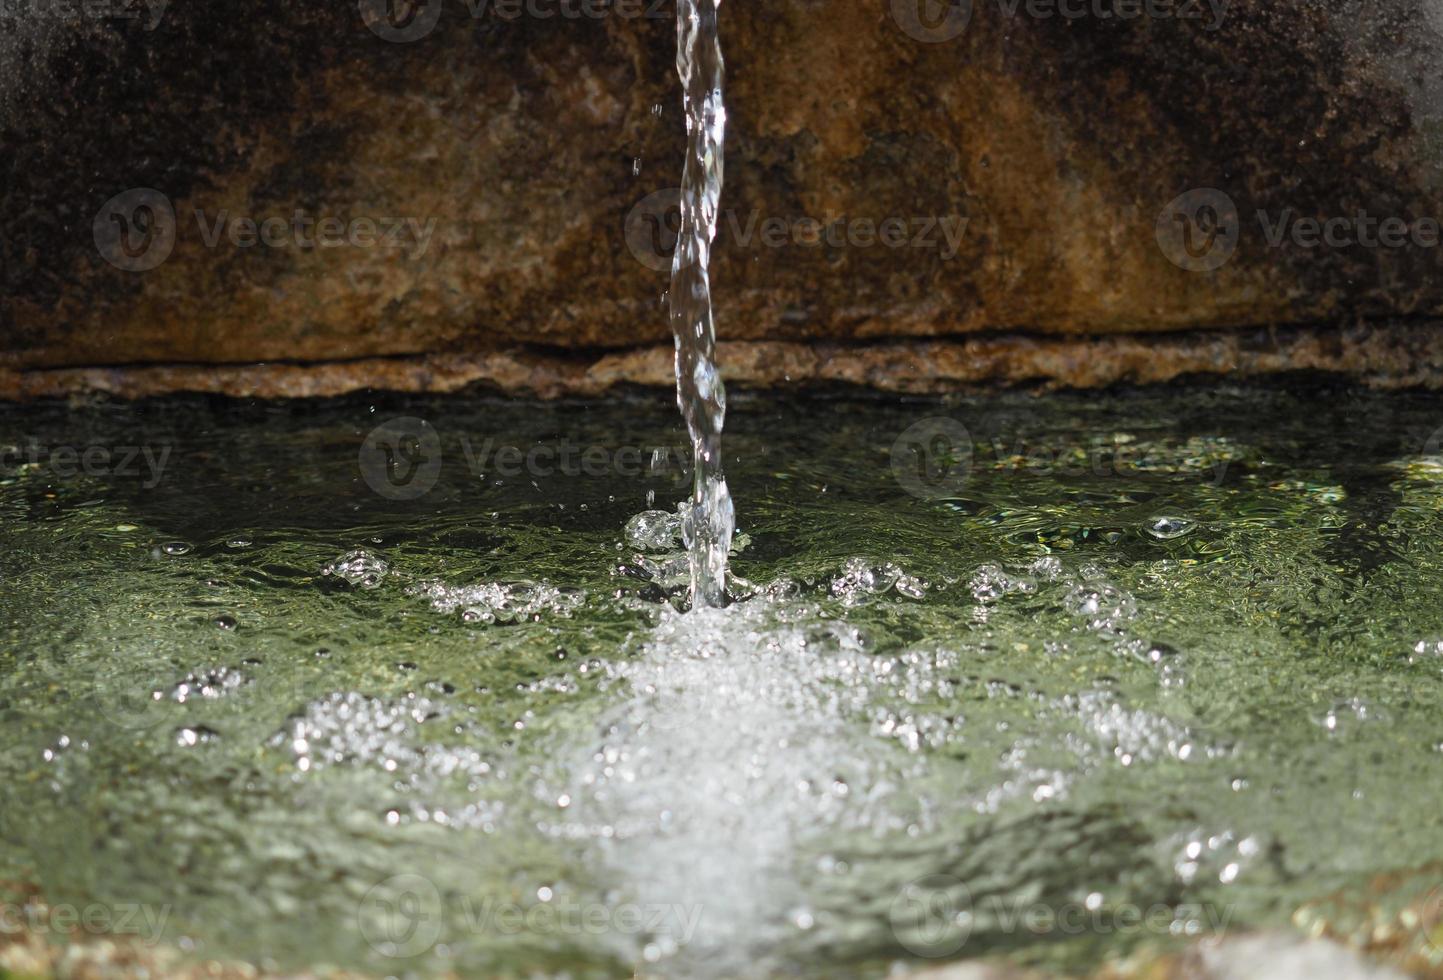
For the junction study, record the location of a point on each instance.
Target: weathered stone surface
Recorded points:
(1380, 356)
(1060, 141)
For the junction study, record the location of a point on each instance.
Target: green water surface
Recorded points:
(995, 685)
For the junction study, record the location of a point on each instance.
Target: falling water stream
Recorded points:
(709, 519)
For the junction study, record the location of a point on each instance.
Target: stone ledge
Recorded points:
(1392, 355)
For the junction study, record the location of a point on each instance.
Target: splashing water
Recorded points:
(699, 390)
(472, 736)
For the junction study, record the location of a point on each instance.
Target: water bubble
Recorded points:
(654, 530)
(191, 736)
(991, 583)
(207, 685)
(359, 568)
(500, 602)
(1046, 569)
(238, 543)
(1167, 528)
(1106, 607)
(1156, 653)
(175, 548)
(225, 622)
(1166, 659)
(1346, 716)
(861, 580)
(1423, 650)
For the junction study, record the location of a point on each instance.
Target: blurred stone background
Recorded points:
(919, 195)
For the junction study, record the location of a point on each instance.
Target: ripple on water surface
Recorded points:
(1192, 673)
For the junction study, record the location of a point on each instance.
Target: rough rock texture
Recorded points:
(1381, 357)
(1060, 141)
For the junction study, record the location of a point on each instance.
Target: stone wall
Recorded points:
(485, 181)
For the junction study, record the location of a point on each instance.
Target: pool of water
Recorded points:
(405, 685)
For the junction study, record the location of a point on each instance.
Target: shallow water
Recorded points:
(308, 685)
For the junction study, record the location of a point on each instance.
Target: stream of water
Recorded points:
(709, 520)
